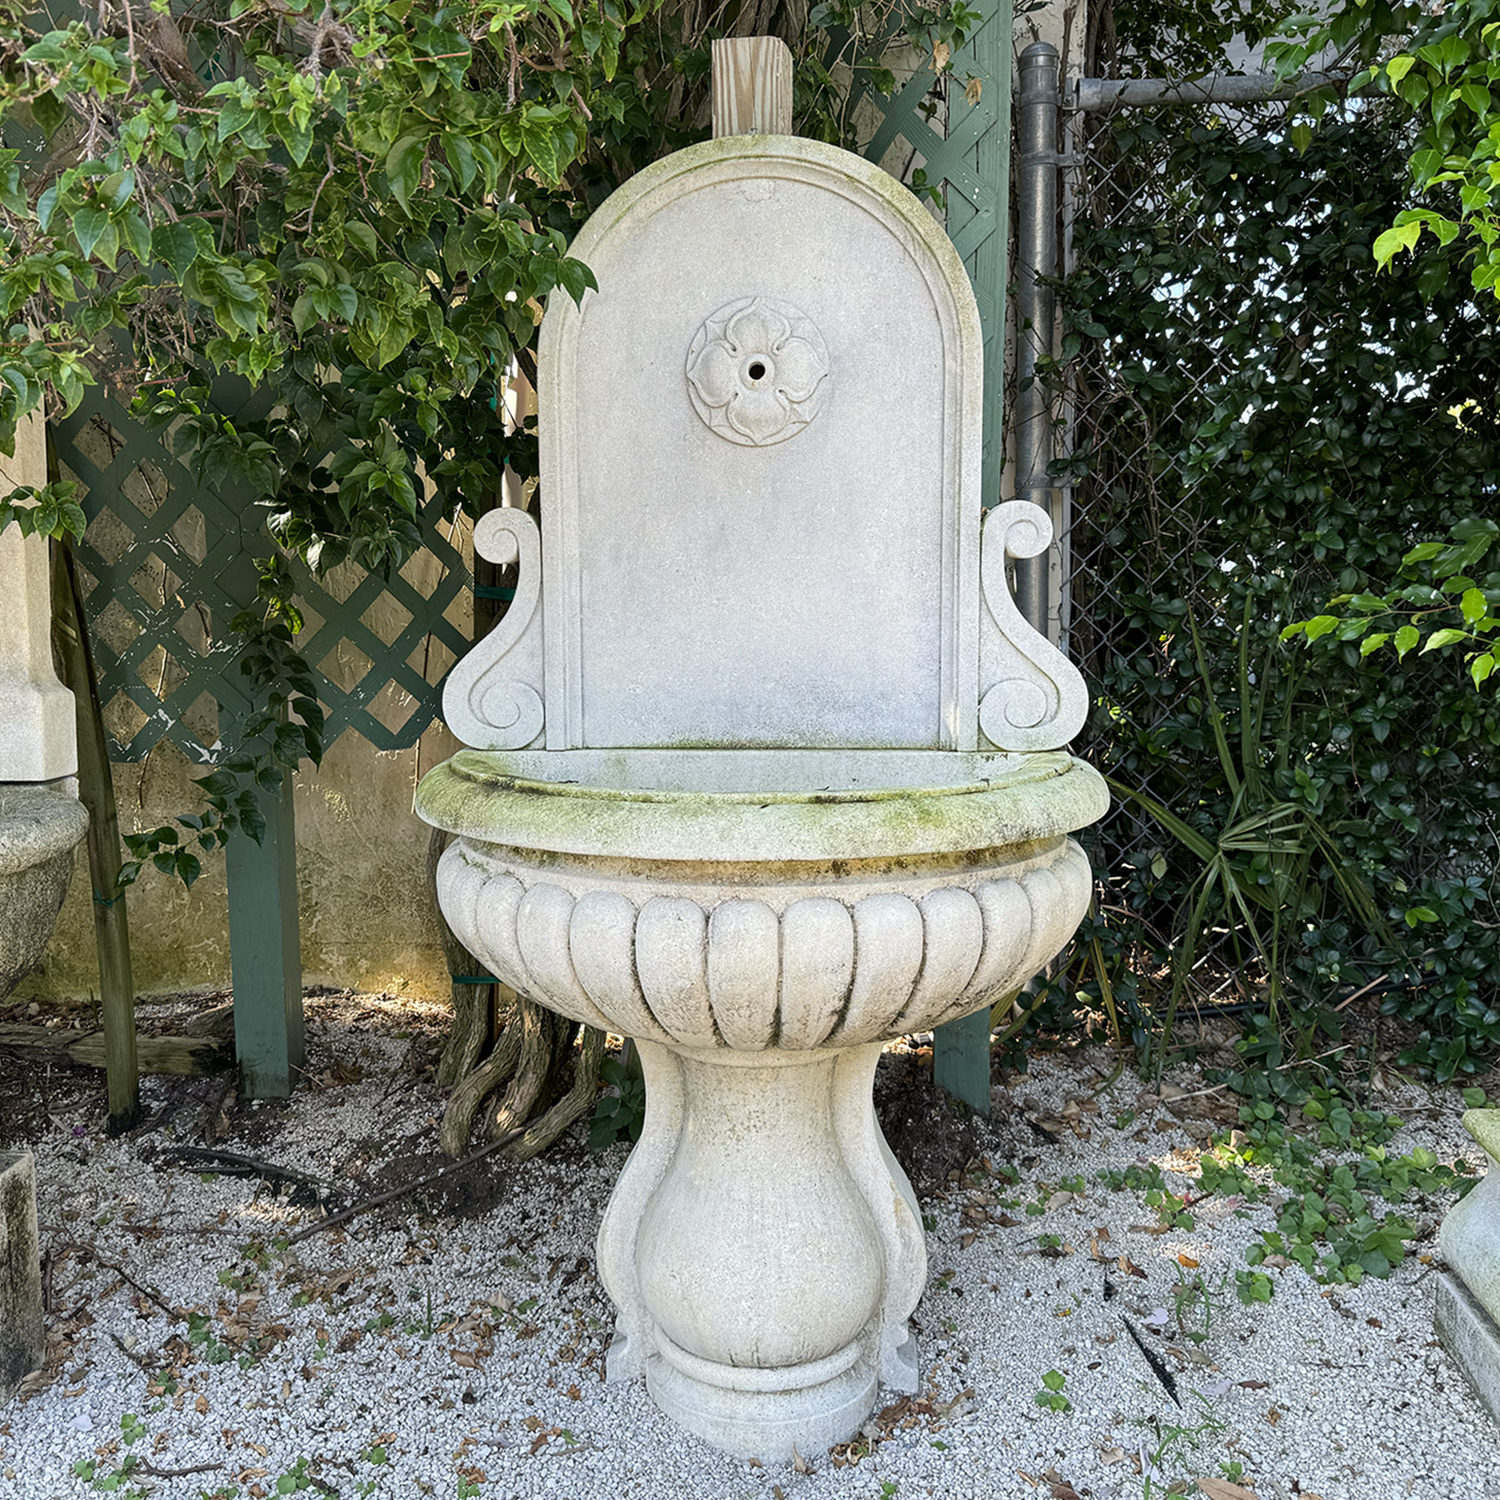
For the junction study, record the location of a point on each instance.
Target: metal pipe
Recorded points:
(1217, 88)
(1036, 255)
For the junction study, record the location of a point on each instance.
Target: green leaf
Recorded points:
(304, 314)
(1406, 638)
(177, 245)
(89, 226)
(1474, 605)
(1440, 638)
(403, 165)
(1398, 67)
(1393, 241)
(49, 112)
(1423, 552)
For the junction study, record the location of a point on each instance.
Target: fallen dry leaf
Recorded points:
(1187, 1262)
(1253, 1385)
(1221, 1489)
(1274, 1415)
(1112, 1455)
(974, 90)
(1129, 1268)
(799, 1464)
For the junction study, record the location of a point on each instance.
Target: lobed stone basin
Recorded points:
(760, 917)
(40, 826)
(761, 923)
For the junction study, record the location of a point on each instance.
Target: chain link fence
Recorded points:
(1181, 318)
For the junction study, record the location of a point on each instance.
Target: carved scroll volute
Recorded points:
(492, 699)
(1031, 696)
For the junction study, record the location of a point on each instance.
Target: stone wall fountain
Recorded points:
(41, 823)
(767, 766)
(41, 818)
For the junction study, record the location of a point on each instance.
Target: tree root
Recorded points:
(476, 1087)
(534, 1069)
(577, 1102)
(476, 1019)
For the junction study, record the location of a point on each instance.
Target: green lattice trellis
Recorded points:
(960, 138)
(170, 562)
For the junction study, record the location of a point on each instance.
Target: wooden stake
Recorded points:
(752, 86)
(96, 790)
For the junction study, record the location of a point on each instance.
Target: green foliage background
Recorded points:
(1271, 423)
(360, 208)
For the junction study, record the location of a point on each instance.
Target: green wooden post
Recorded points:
(265, 953)
(971, 161)
(961, 1059)
(978, 223)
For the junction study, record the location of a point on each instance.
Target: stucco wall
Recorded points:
(361, 861)
(366, 919)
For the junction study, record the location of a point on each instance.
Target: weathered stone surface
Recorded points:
(761, 464)
(39, 828)
(1471, 1336)
(1470, 1233)
(747, 957)
(23, 1339)
(767, 762)
(37, 734)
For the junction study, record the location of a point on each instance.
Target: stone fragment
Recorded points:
(23, 1339)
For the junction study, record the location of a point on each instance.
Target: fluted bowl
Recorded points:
(819, 900)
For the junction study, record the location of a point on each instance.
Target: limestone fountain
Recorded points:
(766, 764)
(41, 818)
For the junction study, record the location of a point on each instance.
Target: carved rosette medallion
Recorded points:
(758, 372)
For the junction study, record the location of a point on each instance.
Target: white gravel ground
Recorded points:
(414, 1354)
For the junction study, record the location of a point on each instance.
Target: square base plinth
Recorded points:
(1471, 1336)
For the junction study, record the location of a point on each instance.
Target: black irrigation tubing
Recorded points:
(1157, 1363)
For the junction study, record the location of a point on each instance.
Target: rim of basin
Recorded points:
(38, 821)
(761, 805)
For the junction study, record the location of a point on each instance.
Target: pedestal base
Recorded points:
(768, 1414)
(764, 1249)
(1471, 1336)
